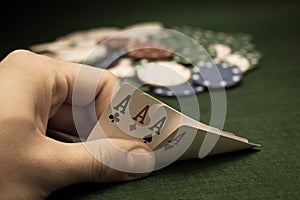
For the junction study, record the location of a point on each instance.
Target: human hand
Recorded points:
(36, 101)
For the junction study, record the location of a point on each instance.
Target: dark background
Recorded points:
(265, 108)
(26, 23)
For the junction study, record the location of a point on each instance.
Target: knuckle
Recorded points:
(16, 57)
(110, 76)
(16, 54)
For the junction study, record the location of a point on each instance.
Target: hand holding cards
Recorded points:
(135, 115)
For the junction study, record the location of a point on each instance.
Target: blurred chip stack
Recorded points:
(162, 62)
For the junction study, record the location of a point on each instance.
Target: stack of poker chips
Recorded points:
(143, 59)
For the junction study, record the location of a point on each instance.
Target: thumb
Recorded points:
(103, 160)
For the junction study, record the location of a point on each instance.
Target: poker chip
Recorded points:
(216, 76)
(142, 30)
(136, 83)
(116, 43)
(187, 50)
(150, 53)
(172, 41)
(151, 60)
(221, 50)
(123, 69)
(51, 46)
(253, 58)
(191, 56)
(145, 25)
(82, 54)
(239, 43)
(238, 60)
(48, 54)
(73, 55)
(73, 37)
(110, 59)
(163, 73)
(85, 43)
(148, 50)
(99, 34)
(99, 52)
(186, 89)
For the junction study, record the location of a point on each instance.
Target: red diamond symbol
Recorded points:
(132, 127)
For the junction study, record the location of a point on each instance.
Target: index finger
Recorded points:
(88, 92)
(85, 84)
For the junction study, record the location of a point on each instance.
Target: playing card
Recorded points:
(189, 141)
(136, 115)
(133, 114)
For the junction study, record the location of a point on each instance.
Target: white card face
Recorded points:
(136, 115)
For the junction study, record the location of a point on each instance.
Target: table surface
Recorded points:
(264, 108)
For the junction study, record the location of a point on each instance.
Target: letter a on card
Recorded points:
(123, 104)
(142, 114)
(158, 125)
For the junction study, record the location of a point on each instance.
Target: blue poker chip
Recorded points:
(110, 59)
(186, 89)
(216, 76)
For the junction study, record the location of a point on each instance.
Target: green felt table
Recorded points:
(265, 108)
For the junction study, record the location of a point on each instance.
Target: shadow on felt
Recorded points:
(178, 168)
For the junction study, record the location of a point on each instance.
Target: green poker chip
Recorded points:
(242, 53)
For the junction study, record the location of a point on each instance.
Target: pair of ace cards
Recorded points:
(135, 115)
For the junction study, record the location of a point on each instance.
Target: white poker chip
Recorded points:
(123, 69)
(222, 50)
(144, 61)
(142, 30)
(163, 73)
(73, 37)
(145, 24)
(102, 33)
(74, 55)
(96, 53)
(51, 46)
(85, 43)
(81, 54)
(238, 60)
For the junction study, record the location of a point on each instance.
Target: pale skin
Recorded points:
(36, 96)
